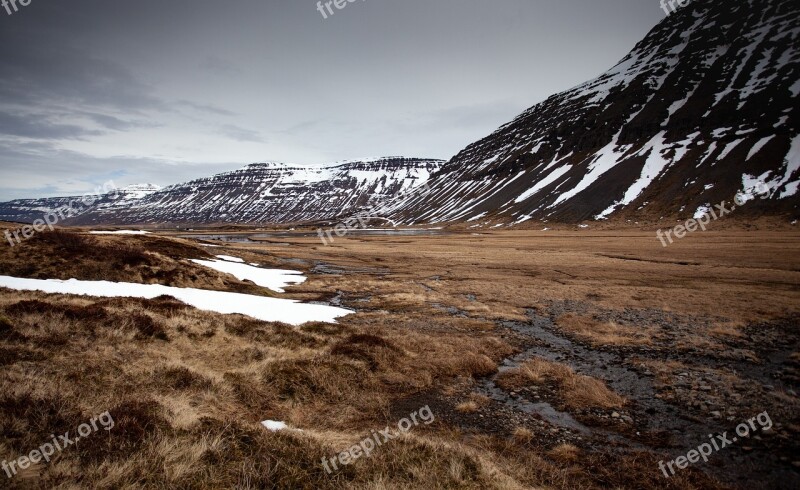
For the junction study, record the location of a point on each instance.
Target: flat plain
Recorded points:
(550, 359)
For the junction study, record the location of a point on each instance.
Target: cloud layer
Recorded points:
(160, 92)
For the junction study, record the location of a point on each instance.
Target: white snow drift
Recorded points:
(274, 279)
(267, 309)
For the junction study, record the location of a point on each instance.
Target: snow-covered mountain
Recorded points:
(261, 193)
(703, 107)
(28, 210)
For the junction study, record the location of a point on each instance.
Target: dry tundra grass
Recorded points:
(575, 391)
(604, 333)
(187, 388)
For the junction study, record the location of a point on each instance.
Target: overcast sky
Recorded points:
(163, 91)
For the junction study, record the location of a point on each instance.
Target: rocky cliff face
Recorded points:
(702, 108)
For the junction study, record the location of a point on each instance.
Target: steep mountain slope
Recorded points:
(268, 193)
(703, 107)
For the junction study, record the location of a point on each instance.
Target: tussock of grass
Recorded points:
(575, 391)
(565, 453)
(475, 402)
(467, 407)
(604, 333)
(523, 435)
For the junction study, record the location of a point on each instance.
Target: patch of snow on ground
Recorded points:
(274, 279)
(230, 258)
(702, 211)
(758, 146)
(120, 232)
(604, 160)
(791, 189)
(653, 166)
(262, 308)
(274, 425)
(552, 177)
(792, 165)
(475, 218)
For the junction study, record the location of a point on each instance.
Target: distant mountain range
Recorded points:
(261, 193)
(704, 107)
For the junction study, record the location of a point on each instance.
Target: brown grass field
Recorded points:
(553, 360)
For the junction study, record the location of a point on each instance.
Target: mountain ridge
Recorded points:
(258, 193)
(623, 144)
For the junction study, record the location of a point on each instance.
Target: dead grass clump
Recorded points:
(181, 378)
(475, 365)
(610, 470)
(314, 379)
(604, 333)
(327, 329)
(147, 327)
(419, 463)
(274, 334)
(467, 407)
(136, 424)
(522, 436)
(244, 326)
(166, 305)
(369, 340)
(370, 349)
(575, 390)
(13, 355)
(289, 337)
(257, 398)
(28, 421)
(127, 252)
(8, 332)
(130, 254)
(728, 329)
(565, 453)
(174, 249)
(476, 402)
(67, 242)
(242, 456)
(91, 314)
(28, 307)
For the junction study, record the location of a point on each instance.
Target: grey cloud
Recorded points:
(43, 170)
(416, 77)
(237, 133)
(207, 108)
(117, 124)
(37, 126)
